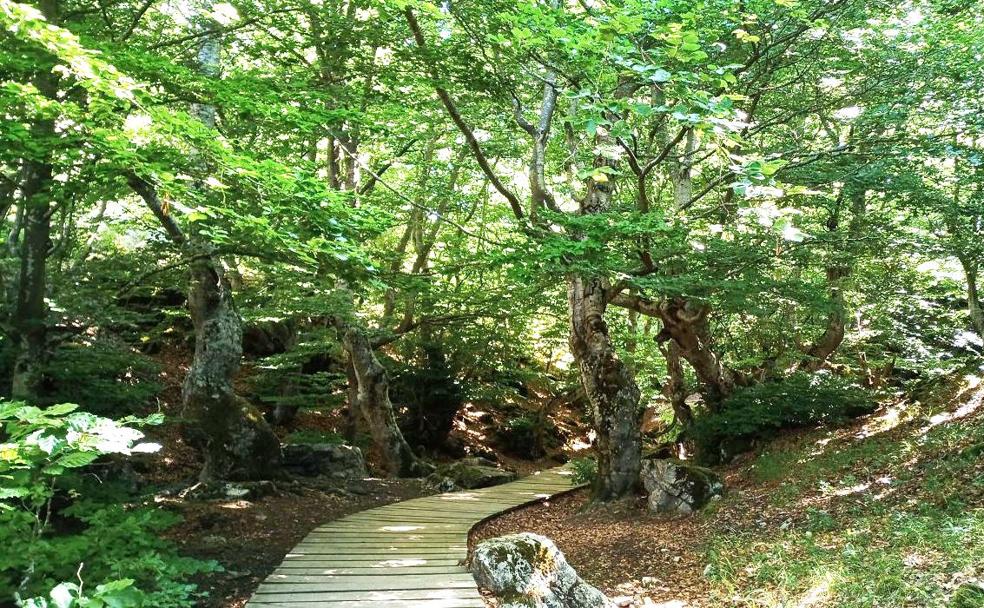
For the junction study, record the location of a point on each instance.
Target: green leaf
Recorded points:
(661, 75)
(75, 460)
(63, 595)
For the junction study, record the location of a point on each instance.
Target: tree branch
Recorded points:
(466, 130)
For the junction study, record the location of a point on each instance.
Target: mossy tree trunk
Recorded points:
(372, 402)
(238, 443)
(608, 383)
(29, 327)
(974, 309)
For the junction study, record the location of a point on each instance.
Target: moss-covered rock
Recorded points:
(470, 474)
(678, 487)
(529, 571)
(324, 460)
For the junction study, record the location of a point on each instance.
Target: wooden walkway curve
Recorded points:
(404, 555)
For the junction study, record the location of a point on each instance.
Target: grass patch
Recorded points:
(858, 518)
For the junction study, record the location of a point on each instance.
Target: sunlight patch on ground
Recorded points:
(857, 489)
(237, 504)
(887, 421)
(818, 594)
(400, 563)
(968, 407)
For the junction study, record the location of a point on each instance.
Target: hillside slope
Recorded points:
(888, 511)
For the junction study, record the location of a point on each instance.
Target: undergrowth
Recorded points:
(889, 515)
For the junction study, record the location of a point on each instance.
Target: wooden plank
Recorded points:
(344, 561)
(378, 546)
(383, 552)
(378, 583)
(373, 570)
(377, 525)
(392, 536)
(335, 596)
(314, 602)
(406, 583)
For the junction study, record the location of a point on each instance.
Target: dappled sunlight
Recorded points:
(461, 497)
(236, 504)
(400, 563)
(892, 417)
(819, 593)
(857, 489)
(970, 404)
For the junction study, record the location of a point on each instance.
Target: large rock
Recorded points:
(529, 571)
(675, 486)
(324, 460)
(470, 474)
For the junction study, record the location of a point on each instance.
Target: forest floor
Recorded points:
(887, 511)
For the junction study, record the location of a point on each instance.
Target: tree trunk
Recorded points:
(30, 319)
(686, 323)
(373, 403)
(239, 444)
(609, 385)
(675, 388)
(973, 297)
(611, 391)
(833, 334)
(689, 328)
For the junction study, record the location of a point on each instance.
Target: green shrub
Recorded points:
(760, 411)
(585, 470)
(969, 595)
(429, 397)
(104, 377)
(527, 436)
(52, 537)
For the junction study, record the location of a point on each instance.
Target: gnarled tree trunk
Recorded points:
(675, 388)
(608, 383)
(835, 330)
(833, 335)
(687, 325)
(374, 405)
(237, 441)
(610, 388)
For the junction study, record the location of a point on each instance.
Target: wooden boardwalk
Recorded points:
(405, 555)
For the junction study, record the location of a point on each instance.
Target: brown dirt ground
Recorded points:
(619, 549)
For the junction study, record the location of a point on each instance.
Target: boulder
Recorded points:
(678, 487)
(529, 571)
(324, 460)
(470, 474)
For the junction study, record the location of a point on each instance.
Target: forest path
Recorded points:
(404, 555)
